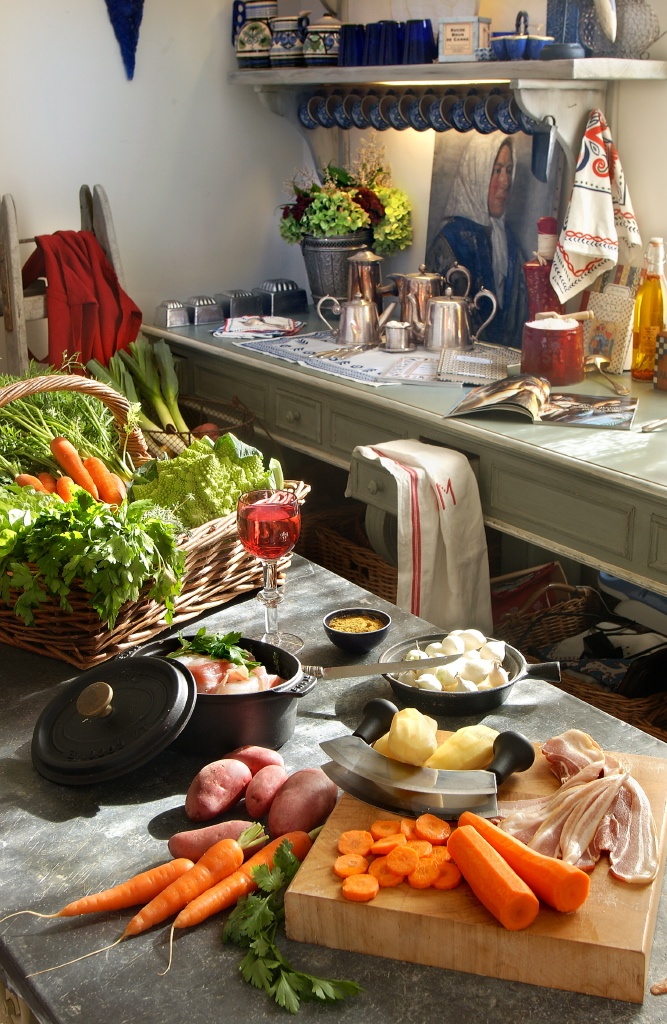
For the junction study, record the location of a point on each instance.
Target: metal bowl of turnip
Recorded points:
(479, 677)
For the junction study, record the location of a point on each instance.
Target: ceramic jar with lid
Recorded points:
(322, 41)
(554, 348)
(288, 33)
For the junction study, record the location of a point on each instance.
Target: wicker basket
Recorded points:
(537, 632)
(217, 567)
(337, 540)
(234, 417)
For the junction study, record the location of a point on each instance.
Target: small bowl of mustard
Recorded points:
(356, 630)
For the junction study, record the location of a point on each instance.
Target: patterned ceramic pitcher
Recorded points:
(251, 31)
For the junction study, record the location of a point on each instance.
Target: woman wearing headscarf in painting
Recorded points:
(475, 234)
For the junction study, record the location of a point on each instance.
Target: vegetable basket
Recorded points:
(217, 567)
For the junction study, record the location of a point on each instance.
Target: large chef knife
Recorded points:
(347, 671)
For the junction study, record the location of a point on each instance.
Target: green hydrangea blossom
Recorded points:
(394, 231)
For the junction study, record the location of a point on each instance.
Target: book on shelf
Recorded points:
(533, 398)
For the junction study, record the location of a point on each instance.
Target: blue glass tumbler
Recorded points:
(351, 48)
(419, 47)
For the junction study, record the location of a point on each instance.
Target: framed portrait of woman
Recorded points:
(484, 206)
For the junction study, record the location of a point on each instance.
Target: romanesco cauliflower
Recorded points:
(205, 481)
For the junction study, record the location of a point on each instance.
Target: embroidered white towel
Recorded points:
(599, 216)
(443, 566)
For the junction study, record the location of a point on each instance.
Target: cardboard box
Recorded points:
(526, 592)
(459, 38)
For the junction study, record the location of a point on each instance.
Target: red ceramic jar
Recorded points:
(555, 353)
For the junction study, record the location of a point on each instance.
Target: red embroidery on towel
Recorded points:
(441, 493)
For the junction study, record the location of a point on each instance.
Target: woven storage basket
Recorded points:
(537, 632)
(337, 540)
(217, 567)
(233, 417)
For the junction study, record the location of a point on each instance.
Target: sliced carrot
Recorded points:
(71, 463)
(402, 860)
(385, 876)
(408, 828)
(48, 481)
(563, 886)
(383, 846)
(355, 840)
(449, 876)
(350, 864)
(435, 830)
(27, 480)
(492, 880)
(64, 486)
(441, 854)
(385, 827)
(425, 874)
(360, 888)
(421, 846)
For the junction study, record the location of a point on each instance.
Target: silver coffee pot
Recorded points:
(365, 277)
(360, 323)
(415, 290)
(447, 320)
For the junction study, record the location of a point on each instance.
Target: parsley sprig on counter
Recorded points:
(253, 924)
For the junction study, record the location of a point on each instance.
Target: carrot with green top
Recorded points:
(492, 880)
(48, 482)
(28, 480)
(64, 485)
(104, 480)
(72, 465)
(563, 886)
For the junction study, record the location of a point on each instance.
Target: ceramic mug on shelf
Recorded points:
(322, 42)
(287, 36)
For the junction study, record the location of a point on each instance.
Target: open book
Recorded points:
(532, 397)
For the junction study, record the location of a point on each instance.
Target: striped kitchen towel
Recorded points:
(443, 566)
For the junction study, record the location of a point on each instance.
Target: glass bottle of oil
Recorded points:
(650, 311)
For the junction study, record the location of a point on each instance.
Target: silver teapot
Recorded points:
(360, 323)
(415, 290)
(365, 277)
(447, 320)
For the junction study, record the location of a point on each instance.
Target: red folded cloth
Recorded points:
(89, 314)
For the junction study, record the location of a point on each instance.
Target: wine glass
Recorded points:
(269, 523)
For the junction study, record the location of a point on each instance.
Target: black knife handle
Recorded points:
(378, 714)
(512, 752)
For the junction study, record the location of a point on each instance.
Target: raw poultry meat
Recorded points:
(214, 675)
(598, 808)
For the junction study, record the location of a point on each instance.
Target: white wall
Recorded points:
(194, 168)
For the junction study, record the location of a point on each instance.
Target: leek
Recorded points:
(169, 383)
(138, 358)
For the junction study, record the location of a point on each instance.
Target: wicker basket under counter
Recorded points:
(217, 567)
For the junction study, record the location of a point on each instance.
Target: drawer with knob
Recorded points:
(298, 416)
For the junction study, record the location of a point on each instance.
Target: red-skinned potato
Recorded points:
(197, 841)
(302, 803)
(262, 789)
(256, 757)
(216, 788)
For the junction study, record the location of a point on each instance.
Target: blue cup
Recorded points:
(506, 116)
(372, 44)
(535, 45)
(438, 111)
(390, 109)
(354, 108)
(371, 108)
(498, 46)
(389, 52)
(351, 46)
(336, 110)
(481, 119)
(460, 113)
(516, 47)
(306, 118)
(419, 47)
(410, 107)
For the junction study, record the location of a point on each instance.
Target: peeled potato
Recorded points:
(466, 749)
(412, 736)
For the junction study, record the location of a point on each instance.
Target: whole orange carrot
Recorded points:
(492, 880)
(27, 480)
(48, 481)
(104, 480)
(64, 487)
(130, 893)
(71, 462)
(563, 886)
(221, 860)
(227, 892)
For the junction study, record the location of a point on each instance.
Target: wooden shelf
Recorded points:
(584, 70)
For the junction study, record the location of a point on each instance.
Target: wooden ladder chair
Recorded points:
(19, 306)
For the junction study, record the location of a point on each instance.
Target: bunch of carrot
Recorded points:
(394, 851)
(89, 473)
(505, 875)
(192, 891)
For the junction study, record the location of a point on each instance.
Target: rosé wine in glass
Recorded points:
(268, 524)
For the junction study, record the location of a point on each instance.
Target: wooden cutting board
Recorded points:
(603, 949)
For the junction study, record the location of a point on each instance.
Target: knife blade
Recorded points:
(511, 752)
(347, 671)
(403, 802)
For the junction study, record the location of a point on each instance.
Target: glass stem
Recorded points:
(270, 597)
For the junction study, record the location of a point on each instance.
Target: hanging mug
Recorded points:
(251, 31)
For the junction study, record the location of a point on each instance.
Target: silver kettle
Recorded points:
(447, 320)
(360, 324)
